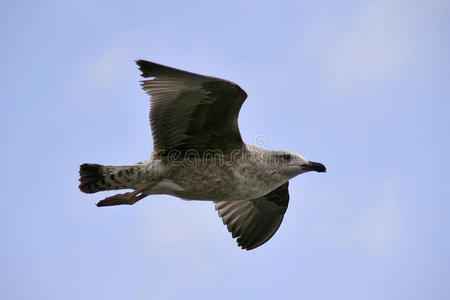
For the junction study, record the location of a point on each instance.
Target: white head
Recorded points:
(292, 164)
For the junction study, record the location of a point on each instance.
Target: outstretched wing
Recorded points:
(191, 112)
(255, 221)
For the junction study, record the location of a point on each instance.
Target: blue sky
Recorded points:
(362, 86)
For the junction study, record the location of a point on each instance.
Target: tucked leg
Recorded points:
(126, 198)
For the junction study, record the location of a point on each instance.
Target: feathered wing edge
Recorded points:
(254, 222)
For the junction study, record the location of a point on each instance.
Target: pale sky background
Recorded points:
(362, 86)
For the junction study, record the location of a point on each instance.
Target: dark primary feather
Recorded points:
(255, 221)
(191, 111)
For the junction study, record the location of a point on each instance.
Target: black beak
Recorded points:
(314, 166)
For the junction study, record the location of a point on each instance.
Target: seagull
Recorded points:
(198, 154)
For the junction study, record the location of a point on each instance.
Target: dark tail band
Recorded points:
(91, 178)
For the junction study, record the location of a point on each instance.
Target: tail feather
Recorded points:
(95, 178)
(92, 178)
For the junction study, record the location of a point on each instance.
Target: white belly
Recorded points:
(165, 187)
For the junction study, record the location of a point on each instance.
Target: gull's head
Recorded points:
(292, 164)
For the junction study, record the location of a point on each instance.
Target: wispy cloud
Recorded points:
(379, 228)
(373, 225)
(107, 66)
(380, 41)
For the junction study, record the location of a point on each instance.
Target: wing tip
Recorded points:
(143, 65)
(152, 69)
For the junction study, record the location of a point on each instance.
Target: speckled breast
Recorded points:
(238, 180)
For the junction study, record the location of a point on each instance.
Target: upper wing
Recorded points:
(255, 221)
(191, 111)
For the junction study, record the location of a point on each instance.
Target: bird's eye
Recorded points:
(285, 157)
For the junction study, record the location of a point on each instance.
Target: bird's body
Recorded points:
(199, 155)
(249, 173)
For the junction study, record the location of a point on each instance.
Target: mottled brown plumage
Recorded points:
(199, 155)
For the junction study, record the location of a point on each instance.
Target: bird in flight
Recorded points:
(199, 154)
